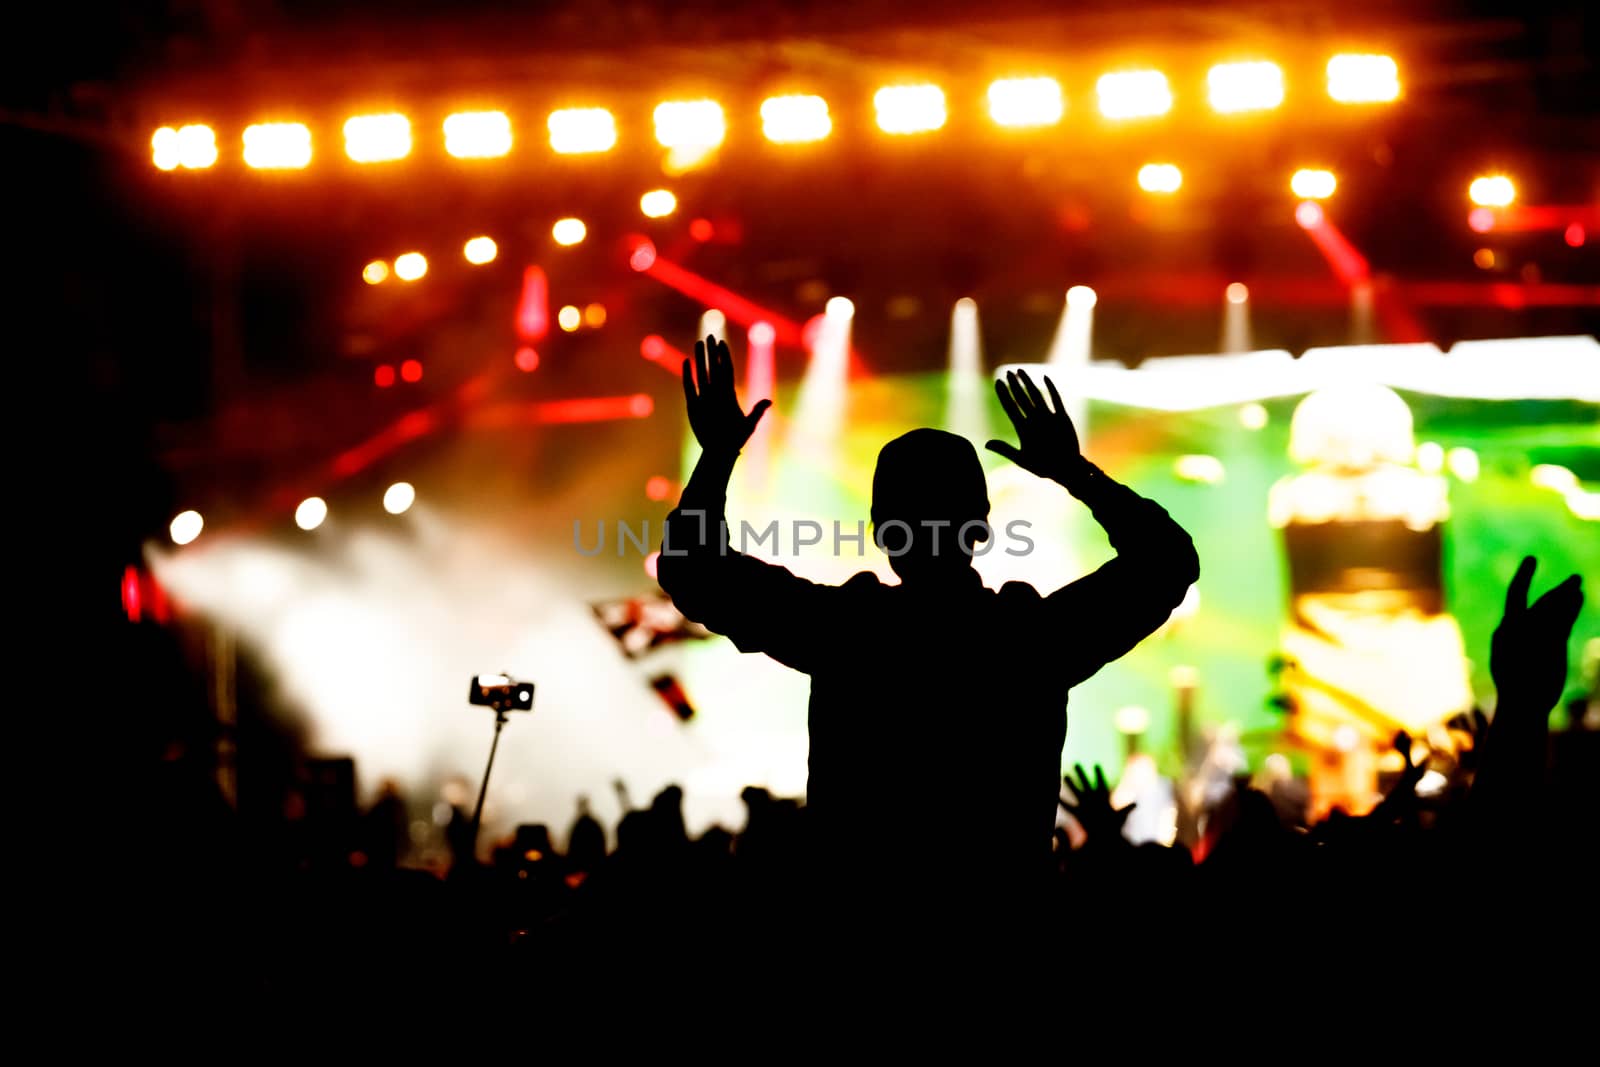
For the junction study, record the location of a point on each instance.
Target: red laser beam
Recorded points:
(735, 307)
(760, 378)
(1400, 323)
(533, 309)
(655, 349)
(559, 412)
(1524, 218)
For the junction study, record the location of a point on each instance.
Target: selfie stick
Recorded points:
(483, 790)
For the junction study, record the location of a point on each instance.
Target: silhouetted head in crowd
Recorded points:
(930, 505)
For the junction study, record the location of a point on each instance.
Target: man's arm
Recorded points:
(1528, 662)
(1119, 605)
(760, 606)
(1128, 598)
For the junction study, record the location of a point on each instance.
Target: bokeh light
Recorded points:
(185, 527)
(410, 266)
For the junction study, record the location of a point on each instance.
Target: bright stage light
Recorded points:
(840, 307)
(796, 119)
(398, 498)
(1554, 476)
(713, 323)
(1492, 191)
(186, 526)
(1131, 720)
(1363, 79)
(383, 375)
(410, 266)
(1574, 235)
(1313, 184)
(569, 231)
(569, 318)
(164, 148)
(1483, 259)
(580, 130)
(197, 147)
(1237, 292)
(1023, 102)
(690, 124)
(1308, 214)
(643, 256)
(906, 109)
(1253, 416)
(594, 316)
(192, 147)
(1081, 297)
(1133, 94)
(377, 138)
(1204, 469)
(375, 273)
(1235, 87)
(1160, 178)
(311, 513)
(277, 146)
(411, 370)
(1463, 463)
(658, 203)
(477, 134)
(526, 359)
(1430, 457)
(762, 333)
(480, 250)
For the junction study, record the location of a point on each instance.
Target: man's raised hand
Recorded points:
(1528, 656)
(1047, 442)
(719, 424)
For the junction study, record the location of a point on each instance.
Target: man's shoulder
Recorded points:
(1018, 591)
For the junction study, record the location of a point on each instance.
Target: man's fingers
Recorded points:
(1009, 451)
(688, 382)
(1100, 779)
(1034, 395)
(725, 363)
(1560, 606)
(756, 412)
(1008, 403)
(1019, 394)
(701, 366)
(1517, 591)
(1055, 397)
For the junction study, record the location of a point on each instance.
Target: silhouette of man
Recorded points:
(938, 706)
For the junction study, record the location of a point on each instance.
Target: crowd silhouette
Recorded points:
(929, 835)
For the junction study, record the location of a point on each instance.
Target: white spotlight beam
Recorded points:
(965, 402)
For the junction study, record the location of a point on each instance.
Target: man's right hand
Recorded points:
(1047, 442)
(719, 424)
(1528, 656)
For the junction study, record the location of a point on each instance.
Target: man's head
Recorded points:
(927, 486)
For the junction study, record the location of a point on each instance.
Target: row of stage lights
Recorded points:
(482, 250)
(1489, 191)
(700, 125)
(309, 514)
